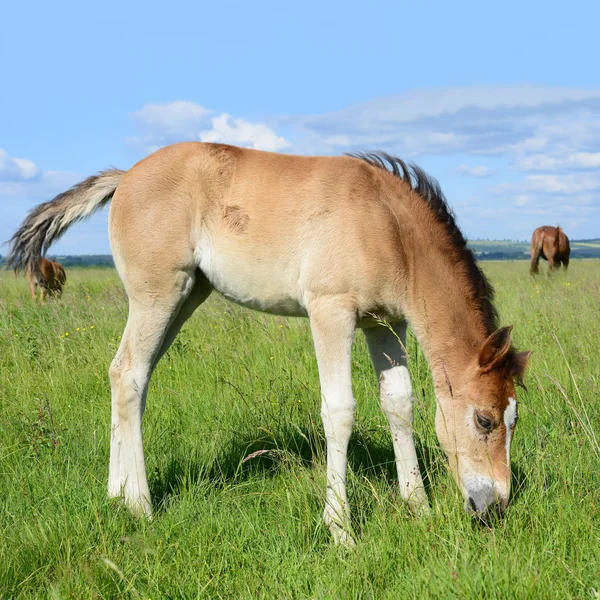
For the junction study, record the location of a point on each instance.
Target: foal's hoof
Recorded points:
(140, 508)
(341, 537)
(420, 509)
(418, 503)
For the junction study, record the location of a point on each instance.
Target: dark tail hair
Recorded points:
(48, 221)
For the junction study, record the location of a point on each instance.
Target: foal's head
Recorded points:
(475, 420)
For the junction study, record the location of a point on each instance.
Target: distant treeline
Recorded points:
(483, 249)
(579, 253)
(510, 250)
(86, 260)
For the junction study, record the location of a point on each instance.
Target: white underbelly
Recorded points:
(272, 303)
(260, 285)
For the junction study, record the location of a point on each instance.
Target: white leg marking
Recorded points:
(129, 381)
(396, 401)
(510, 417)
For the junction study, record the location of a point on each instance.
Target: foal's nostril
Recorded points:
(472, 505)
(499, 508)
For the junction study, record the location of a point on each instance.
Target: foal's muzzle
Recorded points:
(491, 512)
(483, 498)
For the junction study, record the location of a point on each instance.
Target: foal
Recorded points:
(51, 282)
(345, 241)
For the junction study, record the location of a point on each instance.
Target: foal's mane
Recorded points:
(429, 190)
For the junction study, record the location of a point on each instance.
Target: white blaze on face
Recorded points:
(510, 417)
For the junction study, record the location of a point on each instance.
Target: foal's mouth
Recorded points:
(487, 516)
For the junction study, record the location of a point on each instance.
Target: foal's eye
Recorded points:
(484, 423)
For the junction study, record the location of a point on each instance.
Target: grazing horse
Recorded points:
(348, 242)
(552, 244)
(50, 276)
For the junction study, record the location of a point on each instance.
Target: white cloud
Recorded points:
(570, 185)
(557, 185)
(23, 185)
(536, 162)
(228, 130)
(521, 200)
(479, 171)
(537, 127)
(18, 197)
(163, 124)
(480, 120)
(434, 102)
(44, 187)
(543, 162)
(16, 169)
(584, 160)
(180, 117)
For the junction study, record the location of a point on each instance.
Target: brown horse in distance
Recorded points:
(552, 244)
(51, 282)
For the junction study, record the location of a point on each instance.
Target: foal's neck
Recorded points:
(443, 301)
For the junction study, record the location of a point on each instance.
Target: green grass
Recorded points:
(236, 382)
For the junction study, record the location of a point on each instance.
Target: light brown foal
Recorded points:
(345, 241)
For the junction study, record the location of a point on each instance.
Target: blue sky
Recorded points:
(499, 101)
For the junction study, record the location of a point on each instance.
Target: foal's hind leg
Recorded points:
(200, 292)
(155, 315)
(395, 389)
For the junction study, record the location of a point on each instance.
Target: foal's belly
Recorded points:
(267, 284)
(247, 294)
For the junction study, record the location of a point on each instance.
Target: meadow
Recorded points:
(236, 461)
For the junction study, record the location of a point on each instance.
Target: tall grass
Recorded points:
(236, 460)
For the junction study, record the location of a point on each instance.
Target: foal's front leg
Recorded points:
(333, 328)
(387, 349)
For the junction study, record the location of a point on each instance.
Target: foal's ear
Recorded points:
(519, 364)
(494, 349)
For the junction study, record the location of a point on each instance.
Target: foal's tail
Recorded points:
(562, 242)
(48, 221)
(537, 243)
(559, 233)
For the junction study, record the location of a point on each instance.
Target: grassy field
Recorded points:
(236, 382)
